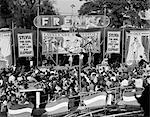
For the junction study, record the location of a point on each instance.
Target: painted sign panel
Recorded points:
(113, 42)
(68, 21)
(25, 45)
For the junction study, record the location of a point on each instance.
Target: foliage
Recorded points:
(4, 10)
(117, 10)
(22, 12)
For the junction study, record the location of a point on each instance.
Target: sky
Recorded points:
(64, 6)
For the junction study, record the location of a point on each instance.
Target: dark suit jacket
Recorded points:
(144, 101)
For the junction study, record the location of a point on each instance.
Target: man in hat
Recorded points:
(144, 100)
(142, 61)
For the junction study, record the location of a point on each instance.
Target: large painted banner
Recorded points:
(5, 49)
(113, 41)
(69, 43)
(25, 45)
(137, 46)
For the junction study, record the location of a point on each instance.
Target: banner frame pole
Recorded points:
(38, 13)
(90, 57)
(104, 33)
(57, 54)
(14, 46)
(126, 40)
(148, 47)
(122, 45)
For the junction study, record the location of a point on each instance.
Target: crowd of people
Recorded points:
(64, 81)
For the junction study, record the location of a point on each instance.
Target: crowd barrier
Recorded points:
(90, 100)
(126, 114)
(62, 105)
(97, 100)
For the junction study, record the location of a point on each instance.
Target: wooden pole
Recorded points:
(80, 63)
(72, 31)
(104, 43)
(148, 47)
(122, 45)
(126, 40)
(80, 68)
(57, 54)
(38, 13)
(90, 56)
(104, 33)
(37, 99)
(14, 46)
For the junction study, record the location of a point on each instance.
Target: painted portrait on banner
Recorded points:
(137, 48)
(72, 44)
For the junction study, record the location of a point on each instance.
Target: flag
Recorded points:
(90, 101)
(129, 98)
(58, 106)
(20, 110)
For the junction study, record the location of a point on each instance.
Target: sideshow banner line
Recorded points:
(113, 42)
(70, 43)
(5, 49)
(25, 45)
(137, 45)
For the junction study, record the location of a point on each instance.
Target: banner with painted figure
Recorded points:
(113, 41)
(25, 45)
(137, 46)
(69, 43)
(5, 49)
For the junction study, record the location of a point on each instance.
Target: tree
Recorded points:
(22, 12)
(117, 10)
(4, 11)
